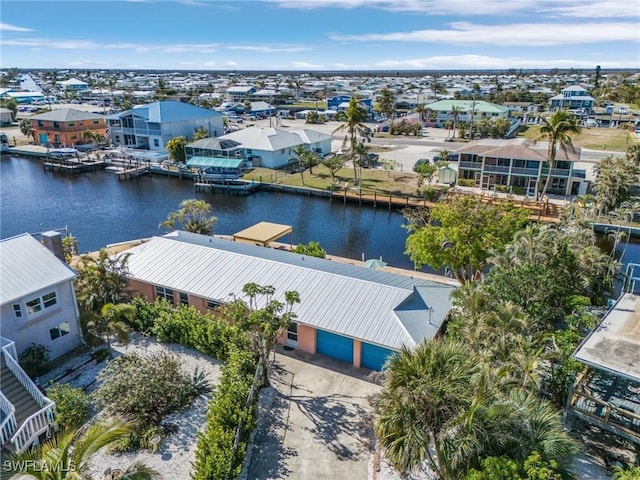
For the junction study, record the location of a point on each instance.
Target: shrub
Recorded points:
(147, 313)
(144, 387)
(100, 354)
(466, 182)
(34, 360)
(311, 249)
(72, 405)
(214, 454)
(431, 194)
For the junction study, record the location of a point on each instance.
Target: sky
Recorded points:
(320, 35)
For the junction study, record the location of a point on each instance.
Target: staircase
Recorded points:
(25, 413)
(19, 396)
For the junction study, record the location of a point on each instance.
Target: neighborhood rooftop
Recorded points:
(379, 307)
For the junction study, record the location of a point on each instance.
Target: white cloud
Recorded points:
(481, 62)
(523, 34)
(570, 8)
(7, 27)
(91, 45)
(194, 3)
(269, 49)
(306, 66)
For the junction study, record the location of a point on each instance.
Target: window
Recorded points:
(73, 137)
(56, 125)
(117, 138)
(212, 304)
(49, 299)
(184, 298)
(292, 332)
(17, 310)
(59, 331)
(40, 123)
(34, 306)
(156, 142)
(96, 122)
(72, 124)
(165, 293)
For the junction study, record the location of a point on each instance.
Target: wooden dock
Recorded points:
(134, 172)
(72, 165)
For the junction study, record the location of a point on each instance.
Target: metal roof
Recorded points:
(27, 266)
(214, 162)
(264, 138)
(378, 307)
(168, 111)
(614, 345)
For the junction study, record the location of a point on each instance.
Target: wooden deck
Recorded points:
(134, 172)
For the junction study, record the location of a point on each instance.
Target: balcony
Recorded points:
(532, 172)
(557, 172)
(496, 169)
(471, 165)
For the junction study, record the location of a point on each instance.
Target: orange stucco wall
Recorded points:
(144, 289)
(68, 135)
(307, 338)
(357, 353)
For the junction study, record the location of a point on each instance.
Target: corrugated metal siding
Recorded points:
(26, 266)
(348, 301)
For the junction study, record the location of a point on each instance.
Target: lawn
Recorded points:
(373, 180)
(616, 139)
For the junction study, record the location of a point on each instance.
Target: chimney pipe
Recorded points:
(53, 241)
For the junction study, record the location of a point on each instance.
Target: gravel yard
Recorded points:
(177, 451)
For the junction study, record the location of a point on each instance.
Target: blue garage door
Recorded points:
(373, 356)
(335, 346)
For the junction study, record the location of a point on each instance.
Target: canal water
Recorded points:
(99, 210)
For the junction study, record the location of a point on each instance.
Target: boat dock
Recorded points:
(237, 187)
(134, 172)
(72, 165)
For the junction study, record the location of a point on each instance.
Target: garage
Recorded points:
(334, 346)
(374, 357)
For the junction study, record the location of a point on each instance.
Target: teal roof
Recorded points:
(214, 162)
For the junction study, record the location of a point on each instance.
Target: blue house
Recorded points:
(341, 102)
(573, 97)
(152, 125)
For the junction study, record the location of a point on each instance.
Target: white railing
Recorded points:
(39, 422)
(8, 425)
(33, 427)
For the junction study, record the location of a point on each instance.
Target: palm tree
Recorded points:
(556, 131)
(455, 113)
(25, 128)
(387, 102)
(194, 216)
(102, 280)
(423, 390)
(111, 321)
(301, 153)
(68, 455)
(352, 125)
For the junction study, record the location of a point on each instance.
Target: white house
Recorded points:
(152, 125)
(74, 85)
(37, 298)
(273, 147)
(38, 306)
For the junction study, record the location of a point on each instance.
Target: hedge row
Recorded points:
(185, 325)
(216, 337)
(215, 458)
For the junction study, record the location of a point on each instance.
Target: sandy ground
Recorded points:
(176, 452)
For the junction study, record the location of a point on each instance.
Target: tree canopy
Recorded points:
(460, 234)
(175, 147)
(194, 216)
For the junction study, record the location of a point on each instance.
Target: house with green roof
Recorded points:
(470, 111)
(151, 126)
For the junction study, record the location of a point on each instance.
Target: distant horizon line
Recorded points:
(397, 72)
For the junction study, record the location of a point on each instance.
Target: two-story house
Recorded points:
(38, 306)
(573, 98)
(520, 165)
(65, 126)
(469, 111)
(151, 126)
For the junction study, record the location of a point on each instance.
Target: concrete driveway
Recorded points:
(320, 424)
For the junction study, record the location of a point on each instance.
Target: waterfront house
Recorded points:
(470, 111)
(607, 393)
(273, 147)
(151, 126)
(65, 126)
(38, 306)
(520, 166)
(216, 158)
(574, 98)
(355, 314)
